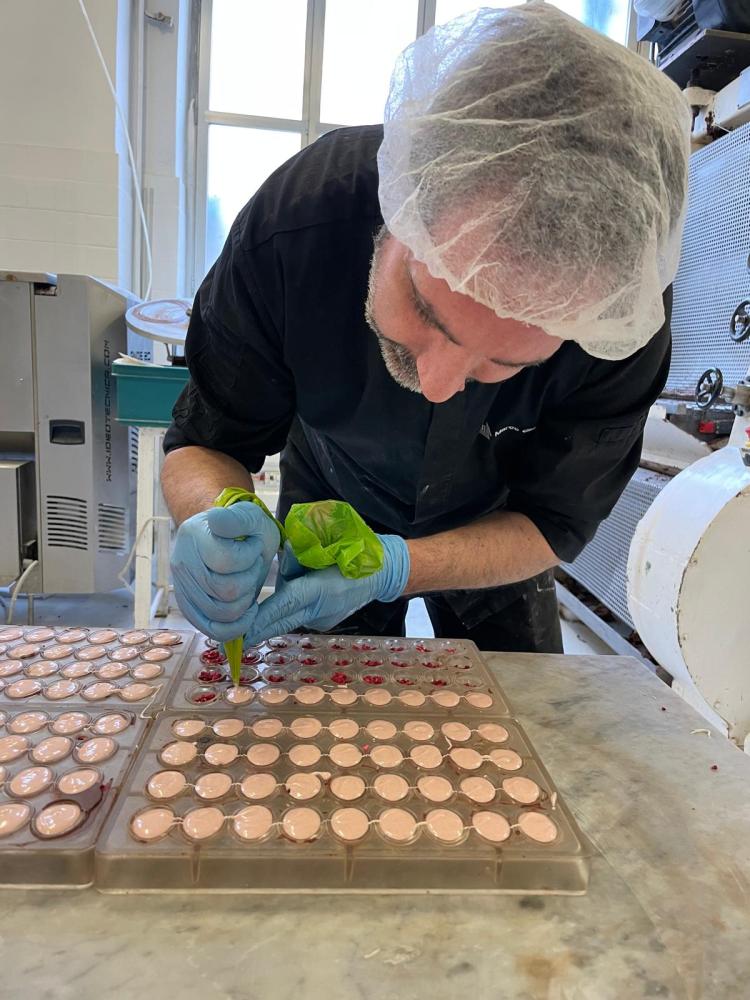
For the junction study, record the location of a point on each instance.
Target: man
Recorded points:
(477, 386)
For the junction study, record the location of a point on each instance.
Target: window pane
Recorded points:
(608, 16)
(446, 10)
(258, 57)
(239, 160)
(362, 40)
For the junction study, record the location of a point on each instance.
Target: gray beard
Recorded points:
(399, 361)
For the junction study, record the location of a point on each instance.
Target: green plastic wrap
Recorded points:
(331, 532)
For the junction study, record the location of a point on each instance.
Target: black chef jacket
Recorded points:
(281, 358)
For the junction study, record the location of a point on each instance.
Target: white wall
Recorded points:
(61, 179)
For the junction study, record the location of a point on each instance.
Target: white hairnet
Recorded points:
(541, 169)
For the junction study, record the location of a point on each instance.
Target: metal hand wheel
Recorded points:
(739, 324)
(709, 388)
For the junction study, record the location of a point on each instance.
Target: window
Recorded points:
(275, 74)
(611, 17)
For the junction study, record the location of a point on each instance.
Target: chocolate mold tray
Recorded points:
(100, 667)
(257, 801)
(342, 673)
(59, 774)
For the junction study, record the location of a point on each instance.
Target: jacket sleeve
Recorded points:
(587, 446)
(240, 398)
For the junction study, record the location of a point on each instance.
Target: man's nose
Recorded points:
(442, 372)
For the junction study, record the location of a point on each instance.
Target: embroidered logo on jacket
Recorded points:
(486, 431)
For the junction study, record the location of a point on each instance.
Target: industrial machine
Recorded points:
(670, 564)
(65, 464)
(703, 43)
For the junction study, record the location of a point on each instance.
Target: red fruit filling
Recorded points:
(213, 657)
(210, 676)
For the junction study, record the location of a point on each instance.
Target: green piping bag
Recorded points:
(227, 497)
(323, 533)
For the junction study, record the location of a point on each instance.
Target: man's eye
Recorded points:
(422, 313)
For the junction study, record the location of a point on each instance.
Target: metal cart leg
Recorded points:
(160, 608)
(148, 443)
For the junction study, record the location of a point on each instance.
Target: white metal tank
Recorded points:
(688, 576)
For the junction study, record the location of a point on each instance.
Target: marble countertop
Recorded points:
(667, 913)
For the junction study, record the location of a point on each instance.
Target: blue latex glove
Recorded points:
(321, 598)
(217, 579)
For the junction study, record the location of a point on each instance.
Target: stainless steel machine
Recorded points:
(65, 463)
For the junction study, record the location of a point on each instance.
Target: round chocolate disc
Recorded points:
(347, 787)
(12, 747)
(152, 823)
(302, 786)
(350, 825)
(301, 824)
(491, 826)
(13, 816)
(397, 826)
(166, 784)
(253, 823)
